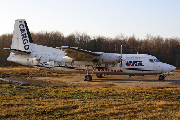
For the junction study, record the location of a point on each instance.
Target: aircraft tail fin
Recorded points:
(22, 40)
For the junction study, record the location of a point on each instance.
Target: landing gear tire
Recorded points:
(88, 78)
(162, 77)
(99, 75)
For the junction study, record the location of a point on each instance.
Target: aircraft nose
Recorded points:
(172, 68)
(168, 68)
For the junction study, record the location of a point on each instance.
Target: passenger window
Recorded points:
(151, 60)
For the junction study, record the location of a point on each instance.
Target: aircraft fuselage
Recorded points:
(132, 64)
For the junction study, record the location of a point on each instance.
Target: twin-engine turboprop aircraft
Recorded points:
(73, 59)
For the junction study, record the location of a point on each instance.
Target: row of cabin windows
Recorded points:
(71, 64)
(106, 65)
(113, 65)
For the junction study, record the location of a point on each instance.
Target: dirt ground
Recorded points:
(77, 80)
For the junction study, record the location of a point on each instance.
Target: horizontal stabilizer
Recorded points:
(17, 51)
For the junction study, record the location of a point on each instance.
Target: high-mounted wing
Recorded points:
(79, 54)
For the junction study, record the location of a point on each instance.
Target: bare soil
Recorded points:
(77, 80)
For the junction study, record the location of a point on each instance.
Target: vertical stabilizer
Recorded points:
(22, 40)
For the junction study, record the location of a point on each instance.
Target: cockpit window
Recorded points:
(156, 60)
(151, 60)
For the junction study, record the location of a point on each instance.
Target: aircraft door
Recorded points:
(122, 64)
(51, 63)
(158, 66)
(151, 65)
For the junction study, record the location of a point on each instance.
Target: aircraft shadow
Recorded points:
(133, 80)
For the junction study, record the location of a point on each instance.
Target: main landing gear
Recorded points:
(88, 77)
(162, 77)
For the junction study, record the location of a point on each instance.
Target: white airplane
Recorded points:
(73, 59)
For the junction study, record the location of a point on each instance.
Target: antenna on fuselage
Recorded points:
(121, 55)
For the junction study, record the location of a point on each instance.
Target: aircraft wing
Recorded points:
(79, 54)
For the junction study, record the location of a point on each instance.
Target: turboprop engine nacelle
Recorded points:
(109, 58)
(47, 64)
(67, 59)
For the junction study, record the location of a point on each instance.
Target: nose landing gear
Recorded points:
(162, 77)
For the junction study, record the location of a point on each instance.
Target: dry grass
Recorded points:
(175, 73)
(35, 102)
(40, 102)
(24, 72)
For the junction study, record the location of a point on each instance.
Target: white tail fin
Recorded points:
(22, 40)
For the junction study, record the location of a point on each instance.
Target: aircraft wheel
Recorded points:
(162, 77)
(88, 78)
(99, 75)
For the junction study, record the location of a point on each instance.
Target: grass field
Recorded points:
(33, 102)
(42, 102)
(23, 71)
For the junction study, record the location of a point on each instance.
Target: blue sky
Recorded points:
(108, 18)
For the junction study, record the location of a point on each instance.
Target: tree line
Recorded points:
(165, 49)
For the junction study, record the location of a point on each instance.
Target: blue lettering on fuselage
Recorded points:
(24, 36)
(134, 63)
